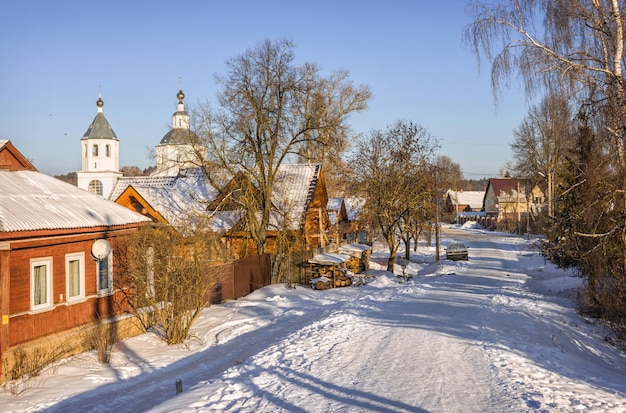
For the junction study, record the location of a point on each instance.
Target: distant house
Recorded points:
(511, 202)
(464, 201)
(345, 226)
(357, 231)
(57, 247)
(505, 196)
(338, 219)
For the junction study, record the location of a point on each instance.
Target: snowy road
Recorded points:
(496, 334)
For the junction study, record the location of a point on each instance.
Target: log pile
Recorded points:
(359, 257)
(324, 277)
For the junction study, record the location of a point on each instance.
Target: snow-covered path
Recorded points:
(496, 334)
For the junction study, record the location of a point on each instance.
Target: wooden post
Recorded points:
(179, 386)
(5, 294)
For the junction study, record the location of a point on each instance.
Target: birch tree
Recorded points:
(577, 48)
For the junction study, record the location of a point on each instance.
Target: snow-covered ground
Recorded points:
(499, 333)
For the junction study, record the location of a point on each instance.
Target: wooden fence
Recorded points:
(243, 276)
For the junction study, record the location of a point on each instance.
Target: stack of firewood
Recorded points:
(324, 277)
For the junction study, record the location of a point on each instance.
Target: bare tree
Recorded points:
(272, 111)
(449, 172)
(541, 142)
(579, 51)
(390, 168)
(168, 277)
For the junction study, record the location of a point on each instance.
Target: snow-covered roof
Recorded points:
(293, 191)
(174, 197)
(472, 198)
(354, 205)
(31, 201)
(328, 258)
(354, 250)
(334, 204)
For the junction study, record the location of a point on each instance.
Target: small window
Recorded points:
(107, 151)
(95, 187)
(85, 148)
(94, 150)
(105, 275)
(41, 283)
(75, 276)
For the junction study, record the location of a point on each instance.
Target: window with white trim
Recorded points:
(41, 283)
(75, 276)
(105, 275)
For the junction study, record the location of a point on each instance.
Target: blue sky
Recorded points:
(57, 54)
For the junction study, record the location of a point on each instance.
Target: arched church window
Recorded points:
(85, 148)
(107, 150)
(95, 187)
(94, 150)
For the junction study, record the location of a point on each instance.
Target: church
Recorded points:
(100, 149)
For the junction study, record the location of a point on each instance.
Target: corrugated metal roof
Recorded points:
(31, 201)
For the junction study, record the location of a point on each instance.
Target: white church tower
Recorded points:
(100, 150)
(180, 148)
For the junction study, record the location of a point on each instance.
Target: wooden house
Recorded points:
(299, 209)
(57, 271)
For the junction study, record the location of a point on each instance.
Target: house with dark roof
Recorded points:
(505, 196)
(57, 255)
(511, 202)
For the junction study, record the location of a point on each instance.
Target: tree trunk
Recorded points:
(392, 259)
(407, 249)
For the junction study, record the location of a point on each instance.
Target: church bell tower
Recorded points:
(100, 156)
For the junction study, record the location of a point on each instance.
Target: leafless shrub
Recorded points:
(28, 363)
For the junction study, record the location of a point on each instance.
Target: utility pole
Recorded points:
(550, 193)
(436, 219)
(519, 212)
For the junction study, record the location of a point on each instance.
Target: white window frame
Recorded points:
(37, 262)
(80, 257)
(109, 289)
